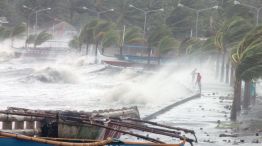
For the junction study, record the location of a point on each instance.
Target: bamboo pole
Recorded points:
(40, 140)
(166, 126)
(117, 130)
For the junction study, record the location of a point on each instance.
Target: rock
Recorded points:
(235, 143)
(255, 141)
(242, 140)
(246, 128)
(228, 135)
(257, 134)
(201, 128)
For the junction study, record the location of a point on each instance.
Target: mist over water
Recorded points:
(73, 82)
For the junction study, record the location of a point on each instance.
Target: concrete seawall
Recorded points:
(169, 107)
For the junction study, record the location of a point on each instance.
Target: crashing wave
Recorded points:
(6, 55)
(53, 75)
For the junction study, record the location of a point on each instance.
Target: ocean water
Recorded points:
(73, 82)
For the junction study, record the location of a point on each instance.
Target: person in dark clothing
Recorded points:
(198, 81)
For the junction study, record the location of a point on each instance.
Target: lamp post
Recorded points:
(36, 12)
(197, 13)
(100, 12)
(252, 7)
(145, 13)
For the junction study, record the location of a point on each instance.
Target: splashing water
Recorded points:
(53, 75)
(64, 84)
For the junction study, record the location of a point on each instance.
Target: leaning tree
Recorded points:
(248, 62)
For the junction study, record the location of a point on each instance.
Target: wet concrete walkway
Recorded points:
(203, 116)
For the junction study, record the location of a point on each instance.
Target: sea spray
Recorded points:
(6, 54)
(160, 87)
(53, 75)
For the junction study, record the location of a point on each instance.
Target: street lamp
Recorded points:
(145, 13)
(36, 12)
(197, 13)
(252, 7)
(98, 13)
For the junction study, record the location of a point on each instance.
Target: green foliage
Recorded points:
(4, 33)
(110, 38)
(75, 43)
(232, 31)
(157, 34)
(18, 31)
(166, 44)
(248, 56)
(133, 35)
(41, 38)
(30, 39)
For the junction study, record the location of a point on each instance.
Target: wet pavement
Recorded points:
(209, 117)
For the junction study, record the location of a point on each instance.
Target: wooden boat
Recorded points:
(44, 128)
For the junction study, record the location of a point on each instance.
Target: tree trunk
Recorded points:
(222, 73)
(87, 45)
(236, 101)
(121, 50)
(96, 49)
(217, 65)
(159, 59)
(227, 71)
(103, 50)
(247, 94)
(148, 55)
(232, 75)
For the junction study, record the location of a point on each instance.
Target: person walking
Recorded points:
(198, 81)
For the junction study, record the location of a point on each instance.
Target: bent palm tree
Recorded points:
(157, 34)
(17, 32)
(41, 38)
(229, 35)
(248, 64)
(75, 43)
(166, 44)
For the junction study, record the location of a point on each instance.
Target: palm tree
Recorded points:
(41, 38)
(75, 43)
(30, 39)
(232, 31)
(110, 38)
(113, 37)
(133, 35)
(94, 32)
(4, 33)
(87, 33)
(99, 32)
(12, 33)
(248, 65)
(17, 31)
(165, 45)
(154, 38)
(38, 39)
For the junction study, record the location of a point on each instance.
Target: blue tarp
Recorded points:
(16, 142)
